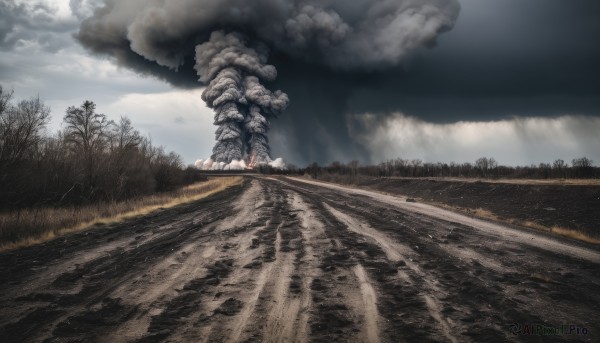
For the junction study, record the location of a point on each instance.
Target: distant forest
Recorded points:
(484, 167)
(91, 159)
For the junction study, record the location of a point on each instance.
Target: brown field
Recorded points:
(33, 226)
(566, 208)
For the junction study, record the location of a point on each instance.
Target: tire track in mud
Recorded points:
(259, 259)
(329, 312)
(369, 299)
(353, 251)
(269, 304)
(208, 297)
(207, 306)
(344, 300)
(396, 252)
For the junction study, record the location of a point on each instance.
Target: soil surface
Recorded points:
(285, 260)
(571, 206)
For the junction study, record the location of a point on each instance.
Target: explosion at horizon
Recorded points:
(242, 104)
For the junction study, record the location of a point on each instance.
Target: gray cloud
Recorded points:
(83, 8)
(35, 22)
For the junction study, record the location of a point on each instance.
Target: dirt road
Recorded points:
(282, 260)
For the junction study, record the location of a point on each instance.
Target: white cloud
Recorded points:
(516, 141)
(177, 119)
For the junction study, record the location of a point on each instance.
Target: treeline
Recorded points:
(91, 159)
(483, 167)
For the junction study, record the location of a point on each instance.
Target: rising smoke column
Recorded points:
(262, 103)
(224, 95)
(234, 72)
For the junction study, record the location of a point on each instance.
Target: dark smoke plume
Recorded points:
(233, 72)
(230, 41)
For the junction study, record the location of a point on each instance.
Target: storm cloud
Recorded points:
(335, 58)
(363, 34)
(363, 37)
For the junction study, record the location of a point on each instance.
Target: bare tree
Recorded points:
(544, 170)
(127, 166)
(87, 132)
(486, 165)
(482, 164)
(165, 169)
(21, 134)
(124, 136)
(5, 99)
(582, 162)
(583, 167)
(417, 163)
(559, 166)
(86, 129)
(21, 127)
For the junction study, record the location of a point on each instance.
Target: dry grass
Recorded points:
(29, 227)
(483, 213)
(560, 231)
(555, 230)
(578, 235)
(570, 182)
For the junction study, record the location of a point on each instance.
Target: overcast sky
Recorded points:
(514, 80)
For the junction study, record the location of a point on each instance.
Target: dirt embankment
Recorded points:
(568, 206)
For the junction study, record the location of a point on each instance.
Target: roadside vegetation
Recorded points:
(36, 225)
(91, 159)
(581, 234)
(90, 171)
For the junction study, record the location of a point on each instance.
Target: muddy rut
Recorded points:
(279, 260)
